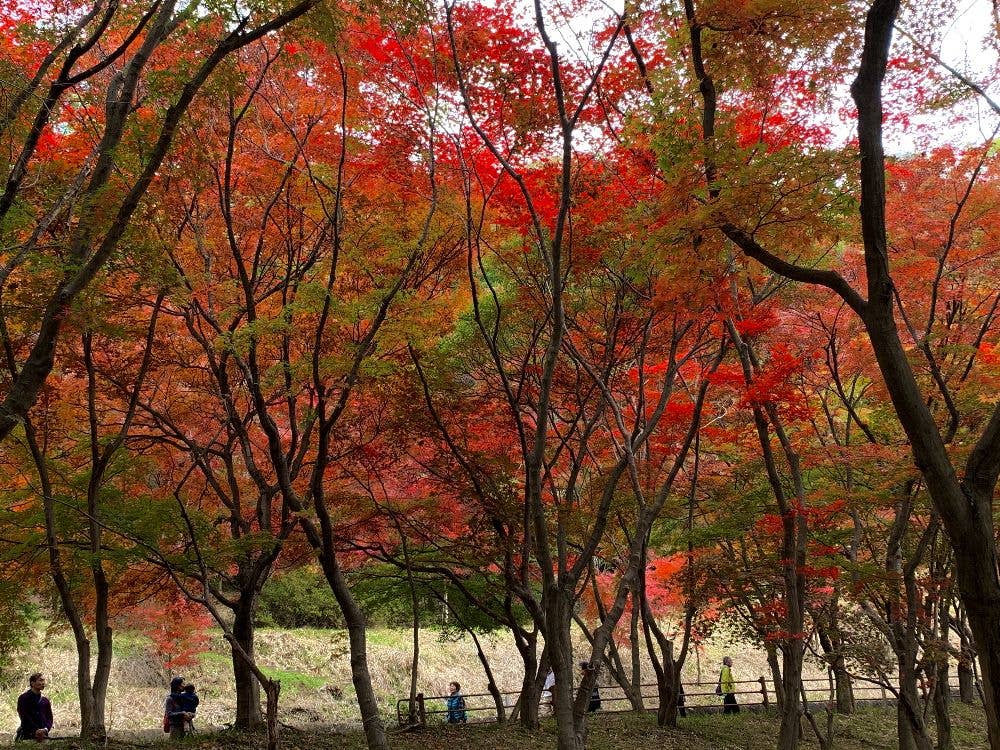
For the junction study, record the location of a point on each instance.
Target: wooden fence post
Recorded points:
(421, 711)
(763, 691)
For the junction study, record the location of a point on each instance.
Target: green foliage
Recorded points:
(17, 614)
(298, 598)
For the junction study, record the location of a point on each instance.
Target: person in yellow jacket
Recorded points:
(727, 687)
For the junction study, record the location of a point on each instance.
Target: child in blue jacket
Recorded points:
(456, 704)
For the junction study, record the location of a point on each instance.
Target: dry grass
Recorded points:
(314, 669)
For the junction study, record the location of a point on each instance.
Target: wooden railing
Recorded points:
(699, 697)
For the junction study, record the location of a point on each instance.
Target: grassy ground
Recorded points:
(870, 729)
(314, 668)
(318, 699)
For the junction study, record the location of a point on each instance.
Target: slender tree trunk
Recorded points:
(571, 734)
(832, 646)
(102, 670)
(942, 691)
(354, 618)
(666, 669)
(248, 715)
(415, 611)
(775, 666)
(491, 683)
(910, 724)
(635, 693)
(966, 674)
(942, 700)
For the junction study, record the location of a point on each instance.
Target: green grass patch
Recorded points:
(295, 680)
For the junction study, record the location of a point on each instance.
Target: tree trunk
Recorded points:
(942, 699)
(635, 691)
(102, 671)
(570, 731)
(909, 717)
(789, 732)
(844, 687)
(985, 626)
(775, 667)
(248, 715)
(832, 648)
(526, 709)
(491, 683)
(272, 689)
(354, 618)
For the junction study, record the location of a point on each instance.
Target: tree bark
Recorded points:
(354, 618)
(831, 644)
(942, 699)
(775, 667)
(248, 714)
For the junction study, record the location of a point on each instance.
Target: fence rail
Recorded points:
(698, 697)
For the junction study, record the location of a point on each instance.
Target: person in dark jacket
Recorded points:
(189, 701)
(34, 710)
(175, 717)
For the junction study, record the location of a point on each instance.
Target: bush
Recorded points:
(298, 598)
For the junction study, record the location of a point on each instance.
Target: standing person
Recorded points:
(456, 704)
(34, 710)
(174, 715)
(595, 693)
(727, 687)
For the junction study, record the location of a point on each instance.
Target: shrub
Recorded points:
(298, 598)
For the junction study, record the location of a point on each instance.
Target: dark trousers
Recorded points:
(729, 704)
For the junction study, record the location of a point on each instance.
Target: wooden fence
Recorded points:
(699, 697)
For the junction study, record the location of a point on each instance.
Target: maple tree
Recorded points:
(69, 204)
(507, 324)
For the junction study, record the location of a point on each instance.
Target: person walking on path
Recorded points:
(174, 715)
(34, 710)
(456, 704)
(727, 687)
